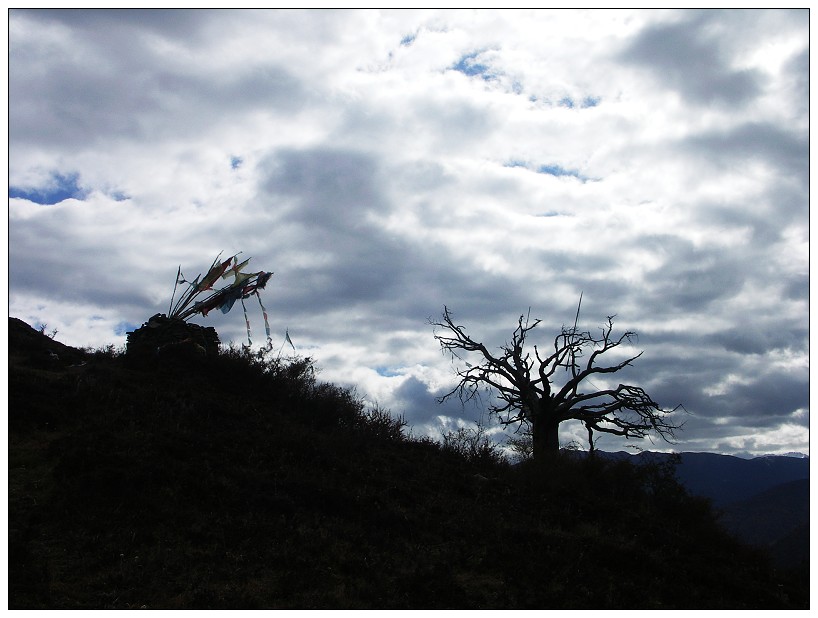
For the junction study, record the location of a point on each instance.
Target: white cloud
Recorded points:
(396, 161)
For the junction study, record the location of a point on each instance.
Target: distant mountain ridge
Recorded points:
(763, 501)
(796, 454)
(725, 479)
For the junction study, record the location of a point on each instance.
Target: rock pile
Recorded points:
(164, 336)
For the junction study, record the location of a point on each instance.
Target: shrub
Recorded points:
(473, 444)
(379, 423)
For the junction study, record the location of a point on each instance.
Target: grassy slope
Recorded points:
(234, 484)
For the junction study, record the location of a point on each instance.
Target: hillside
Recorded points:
(777, 518)
(240, 482)
(725, 479)
(764, 501)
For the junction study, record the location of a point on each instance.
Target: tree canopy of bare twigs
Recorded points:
(540, 389)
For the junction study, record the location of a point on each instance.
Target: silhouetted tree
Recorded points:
(543, 391)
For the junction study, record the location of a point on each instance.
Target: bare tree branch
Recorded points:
(524, 386)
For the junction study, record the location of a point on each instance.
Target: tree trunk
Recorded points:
(545, 435)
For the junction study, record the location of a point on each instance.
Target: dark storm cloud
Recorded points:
(689, 56)
(51, 257)
(796, 287)
(713, 381)
(420, 406)
(87, 107)
(414, 401)
(769, 400)
(326, 198)
(772, 399)
(168, 22)
(334, 189)
(693, 278)
(784, 150)
(739, 217)
(797, 69)
(118, 82)
(331, 201)
(762, 338)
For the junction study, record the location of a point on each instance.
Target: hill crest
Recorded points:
(237, 482)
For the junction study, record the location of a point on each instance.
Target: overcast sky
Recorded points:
(385, 163)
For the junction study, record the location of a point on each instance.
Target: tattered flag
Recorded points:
(244, 285)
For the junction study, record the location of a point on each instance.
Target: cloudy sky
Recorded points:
(387, 163)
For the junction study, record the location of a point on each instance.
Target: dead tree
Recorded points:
(545, 390)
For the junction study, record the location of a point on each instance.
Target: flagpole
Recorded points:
(175, 285)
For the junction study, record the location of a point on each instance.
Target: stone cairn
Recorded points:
(162, 336)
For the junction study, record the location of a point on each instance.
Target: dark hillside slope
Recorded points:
(725, 479)
(770, 498)
(233, 482)
(775, 519)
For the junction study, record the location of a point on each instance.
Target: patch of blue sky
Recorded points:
(590, 102)
(124, 327)
(551, 170)
(387, 372)
(235, 162)
(558, 171)
(59, 188)
(584, 104)
(408, 40)
(567, 102)
(469, 65)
